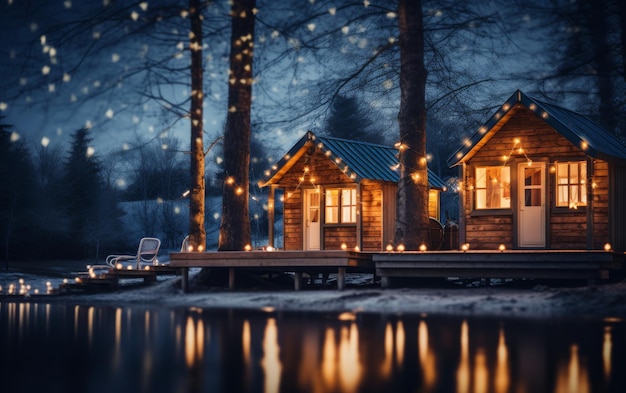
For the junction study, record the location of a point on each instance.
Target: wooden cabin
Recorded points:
(537, 176)
(339, 194)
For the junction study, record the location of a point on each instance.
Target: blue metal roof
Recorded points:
(581, 131)
(359, 160)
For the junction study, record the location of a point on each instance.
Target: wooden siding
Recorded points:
(601, 204)
(371, 217)
(292, 220)
(389, 213)
(566, 228)
(488, 232)
(537, 138)
(617, 207)
(335, 236)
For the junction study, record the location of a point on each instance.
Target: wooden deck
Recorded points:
(281, 261)
(528, 264)
(109, 279)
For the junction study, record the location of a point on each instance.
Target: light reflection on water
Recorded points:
(53, 347)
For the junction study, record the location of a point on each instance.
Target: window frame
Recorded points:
(340, 207)
(505, 188)
(582, 184)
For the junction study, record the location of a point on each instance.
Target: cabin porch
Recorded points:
(591, 265)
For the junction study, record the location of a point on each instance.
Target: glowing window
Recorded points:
(493, 187)
(570, 184)
(340, 206)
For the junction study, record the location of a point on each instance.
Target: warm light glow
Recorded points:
(607, 247)
(247, 247)
(270, 363)
(357, 248)
(246, 342)
(400, 343)
(502, 378)
(200, 248)
(343, 246)
(607, 349)
(400, 247)
(502, 247)
(426, 357)
(347, 316)
(584, 145)
(389, 247)
(465, 247)
(269, 248)
(572, 376)
(463, 370)
(423, 247)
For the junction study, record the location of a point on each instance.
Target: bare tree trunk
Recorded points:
(235, 226)
(412, 198)
(604, 64)
(197, 232)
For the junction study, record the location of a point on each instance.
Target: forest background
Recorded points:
(95, 98)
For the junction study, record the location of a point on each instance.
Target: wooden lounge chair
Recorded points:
(146, 253)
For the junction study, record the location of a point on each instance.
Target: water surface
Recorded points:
(65, 348)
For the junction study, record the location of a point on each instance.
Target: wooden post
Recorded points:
(270, 216)
(231, 278)
(184, 273)
(297, 281)
(341, 278)
(589, 191)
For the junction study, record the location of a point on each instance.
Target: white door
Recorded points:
(532, 205)
(312, 218)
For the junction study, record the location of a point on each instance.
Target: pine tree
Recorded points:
(348, 120)
(90, 207)
(18, 188)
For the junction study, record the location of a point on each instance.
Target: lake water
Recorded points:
(66, 348)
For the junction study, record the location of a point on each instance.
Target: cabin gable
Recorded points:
(529, 183)
(339, 194)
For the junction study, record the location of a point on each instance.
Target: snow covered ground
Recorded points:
(361, 295)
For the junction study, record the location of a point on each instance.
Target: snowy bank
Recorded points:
(523, 301)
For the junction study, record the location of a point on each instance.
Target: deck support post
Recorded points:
(231, 278)
(184, 273)
(341, 278)
(297, 281)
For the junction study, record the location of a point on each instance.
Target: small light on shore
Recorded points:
(389, 247)
(465, 247)
(247, 247)
(357, 248)
(502, 247)
(607, 247)
(200, 248)
(423, 247)
(269, 248)
(344, 246)
(400, 248)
